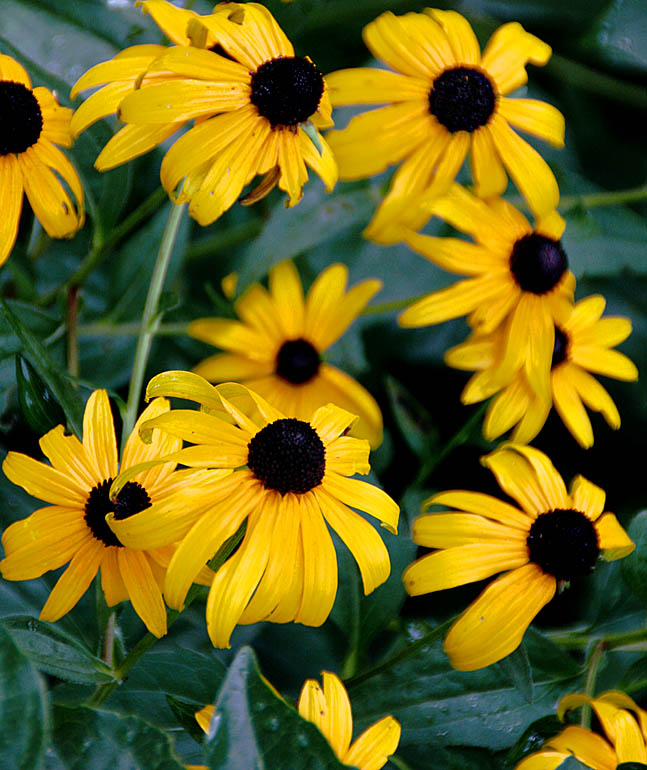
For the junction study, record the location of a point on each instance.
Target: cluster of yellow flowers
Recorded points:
(250, 483)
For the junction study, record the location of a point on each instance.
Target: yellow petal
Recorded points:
(361, 539)
(10, 69)
(447, 530)
(461, 565)
(312, 704)
(529, 171)
(112, 583)
(126, 67)
(132, 141)
(587, 497)
(43, 482)
(364, 85)
(224, 367)
(569, 406)
(322, 161)
(461, 37)
(543, 760)
(330, 422)
(483, 505)
(143, 591)
(201, 428)
(161, 444)
(75, 581)
(453, 254)
(506, 409)
(68, 455)
(534, 117)
(489, 176)
(99, 434)
(287, 294)
(493, 626)
(186, 385)
(590, 748)
(630, 743)
(607, 362)
(10, 203)
(337, 724)
(606, 332)
(612, 538)
(375, 745)
(347, 456)
(365, 497)
(594, 395)
(169, 18)
(508, 51)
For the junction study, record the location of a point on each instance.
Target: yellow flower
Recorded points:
(626, 735)
(290, 478)
(276, 348)
(555, 537)
(582, 344)
(32, 122)
(443, 100)
(125, 72)
(72, 528)
(251, 99)
(518, 277)
(329, 709)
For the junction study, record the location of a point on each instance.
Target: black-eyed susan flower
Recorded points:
(329, 709)
(625, 735)
(257, 108)
(32, 122)
(582, 344)
(132, 69)
(72, 527)
(290, 479)
(276, 348)
(554, 537)
(518, 277)
(444, 100)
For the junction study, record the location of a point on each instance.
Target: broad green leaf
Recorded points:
(56, 652)
(37, 402)
(252, 728)
(85, 738)
(516, 668)
(549, 658)
(48, 370)
(42, 324)
(619, 36)
(413, 420)
(533, 739)
(573, 764)
(634, 567)
(23, 709)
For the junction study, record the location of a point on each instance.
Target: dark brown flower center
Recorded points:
(287, 91)
(538, 263)
(560, 348)
(21, 120)
(131, 499)
(462, 99)
(297, 361)
(287, 455)
(563, 543)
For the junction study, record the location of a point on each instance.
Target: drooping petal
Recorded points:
(365, 497)
(613, 541)
(493, 626)
(508, 51)
(590, 748)
(11, 189)
(143, 591)
(568, 405)
(112, 583)
(375, 745)
(447, 530)
(534, 117)
(489, 175)
(132, 141)
(483, 505)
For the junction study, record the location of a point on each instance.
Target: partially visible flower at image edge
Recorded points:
(257, 108)
(72, 528)
(582, 346)
(329, 709)
(276, 348)
(518, 277)
(289, 481)
(625, 727)
(32, 122)
(554, 537)
(444, 100)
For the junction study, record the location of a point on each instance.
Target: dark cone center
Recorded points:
(287, 91)
(563, 543)
(288, 456)
(21, 120)
(462, 99)
(131, 499)
(297, 361)
(560, 348)
(538, 263)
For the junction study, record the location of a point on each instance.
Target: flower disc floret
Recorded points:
(462, 99)
(287, 455)
(538, 263)
(563, 543)
(287, 90)
(297, 361)
(21, 119)
(132, 499)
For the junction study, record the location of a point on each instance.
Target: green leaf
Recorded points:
(632, 766)
(533, 739)
(252, 728)
(23, 709)
(413, 420)
(40, 323)
(634, 567)
(53, 375)
(37, 403)
(516, 667)
(55, 652)
(620, 36)
(85, 738)
(573, 764)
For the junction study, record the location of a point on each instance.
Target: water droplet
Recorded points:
(302, 740)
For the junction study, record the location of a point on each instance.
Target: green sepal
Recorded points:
(39, 407)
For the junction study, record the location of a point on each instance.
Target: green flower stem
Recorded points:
(128, 329)
(103, 691)
(598, 200)
(407, 652)
(151, 318)
(399, 763)
(72, 331)
(591, 675)
(109, 639)
(102, 248)
(633, 640)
